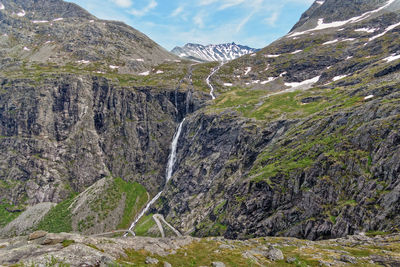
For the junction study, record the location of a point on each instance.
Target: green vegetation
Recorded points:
(199, 75)
(260, 105)
(67, 243)
(6, 216)
(58, 219)
(144, 225)
(376, 233)
(195, 254)
(136, 199)
(296, 253)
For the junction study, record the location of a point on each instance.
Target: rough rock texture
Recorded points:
(57, 32)
(66, 132)
(76, 250)
(271, 158)
(27, 220)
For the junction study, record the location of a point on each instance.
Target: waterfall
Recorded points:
(168, 175)
(208, 80)
(172, 155)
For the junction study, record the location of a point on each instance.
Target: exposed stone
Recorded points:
(37, 235)
(150, 260)
(274, 254)
(217, 264)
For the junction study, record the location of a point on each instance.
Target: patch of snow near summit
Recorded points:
(40, 21)
(159, 72)
(337, 78)
(114, 67)
(58, 19)
(228, 84)
(1, 6)
(146, 73)
(270, 79)
(83, 61)
(320, 2)
(26, 49)
(388, 29)
(331, 42)
(368, 97)
(369, 30)
(392, 58)
(248, 69)
(21, 14)
(272, 56)
(321, 25)
(303, 83)
(140, 60)
(297, 51)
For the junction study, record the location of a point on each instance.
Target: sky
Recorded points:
(171, 23)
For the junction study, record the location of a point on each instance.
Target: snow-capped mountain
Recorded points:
(221, 52)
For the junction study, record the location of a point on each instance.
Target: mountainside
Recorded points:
(222, 52)
(63, 34)
(300, 139)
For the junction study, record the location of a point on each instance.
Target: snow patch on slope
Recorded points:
(21, 14)
(388, 29)
(391, 58)
(303, 83)
(321, 25)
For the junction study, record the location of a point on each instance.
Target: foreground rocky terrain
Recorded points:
(44, 249)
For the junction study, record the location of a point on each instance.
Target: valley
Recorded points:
(293, 147)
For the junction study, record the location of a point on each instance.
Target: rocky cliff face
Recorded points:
(302, 139)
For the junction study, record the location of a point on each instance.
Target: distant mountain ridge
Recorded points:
(220, 52)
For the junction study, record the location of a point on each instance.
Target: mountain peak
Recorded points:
(340, 11)
(212, 52)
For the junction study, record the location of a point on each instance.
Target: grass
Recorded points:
(206, 251)
(258, 105)
(5, 216)
(376, 233)
(201, 253)
(144, 225)
(58, 219)
(67, 243)
(136, 199)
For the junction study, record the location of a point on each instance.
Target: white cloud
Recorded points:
(177, 11)
(244, 22)
(231, 3)
(141, 12)
(199, 20)
(271, 20)
(123, 3)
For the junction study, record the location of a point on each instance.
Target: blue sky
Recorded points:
(176, 22)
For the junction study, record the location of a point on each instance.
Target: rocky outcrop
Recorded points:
(66, 132)
(26, 221)
(77, 250)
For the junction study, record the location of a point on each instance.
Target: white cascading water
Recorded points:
(168, 175)
(208, 80)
